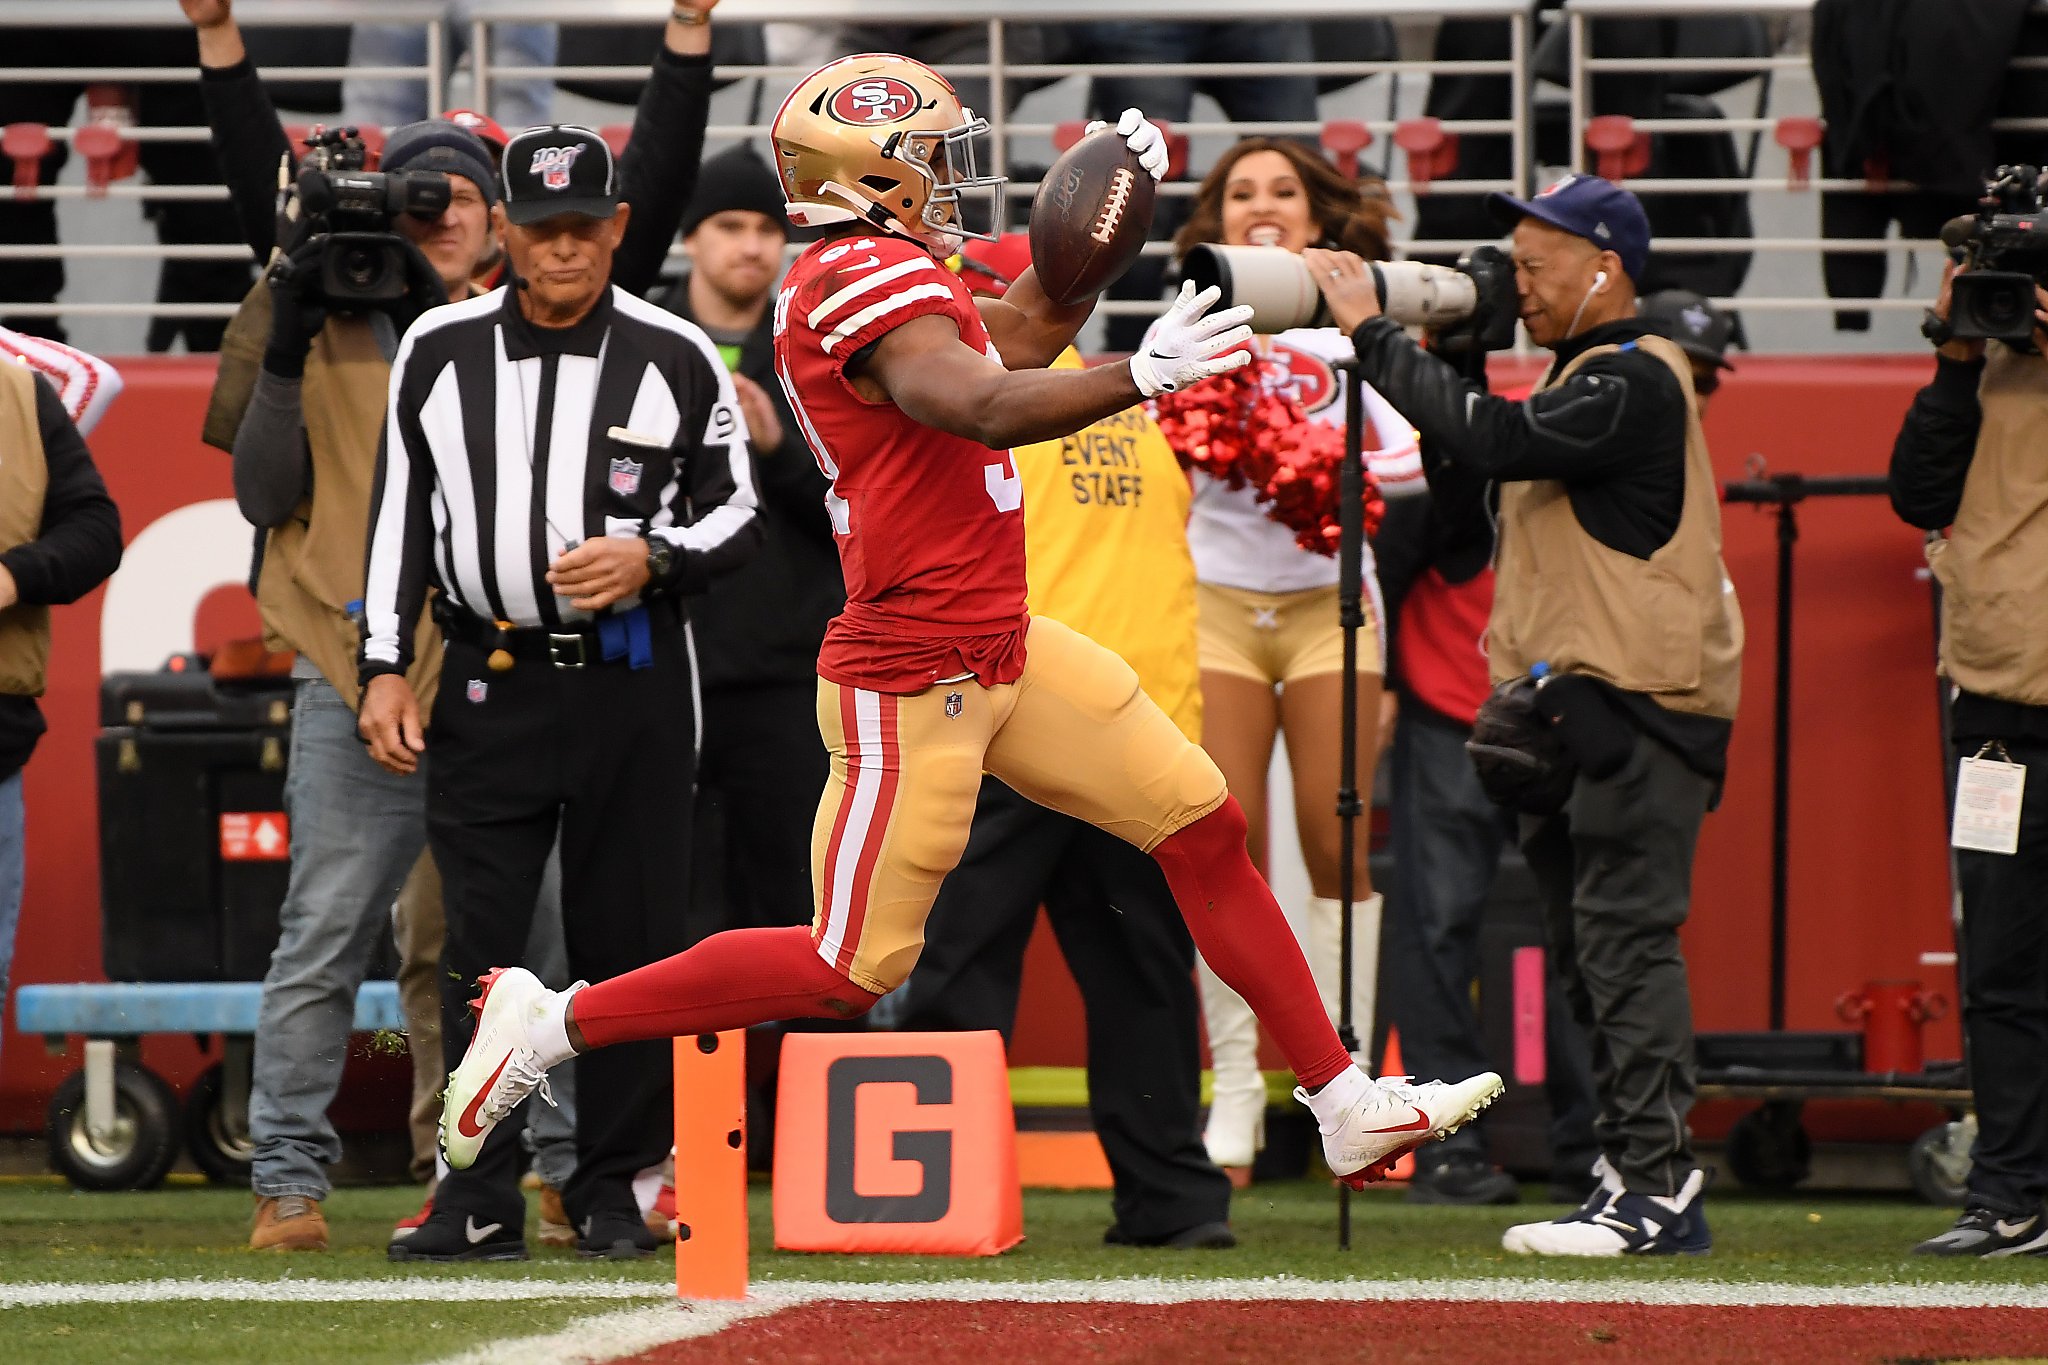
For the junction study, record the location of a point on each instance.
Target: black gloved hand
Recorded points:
(297, 310)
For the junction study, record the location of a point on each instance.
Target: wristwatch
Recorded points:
(661, 557)
(693, 18)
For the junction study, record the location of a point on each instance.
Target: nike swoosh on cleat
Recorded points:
(477, 1234)
(1421, 1123)
(467, 1125)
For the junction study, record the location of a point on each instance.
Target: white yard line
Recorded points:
(777, 1294)
(609, 1336)
(412, 1289)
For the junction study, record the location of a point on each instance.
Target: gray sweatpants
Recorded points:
(1615, 868)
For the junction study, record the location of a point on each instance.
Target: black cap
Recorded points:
(1699, 328)
(736, 179)
(559, 168)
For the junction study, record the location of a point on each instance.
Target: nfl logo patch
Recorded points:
(552, 165)
(625, 477)
(955, 704)
(478, 689)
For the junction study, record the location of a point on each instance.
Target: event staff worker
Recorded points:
(1972, 459)
(1106, 548)
(1610, 594)
(565, 463)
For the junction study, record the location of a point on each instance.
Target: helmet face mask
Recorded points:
(883, 140)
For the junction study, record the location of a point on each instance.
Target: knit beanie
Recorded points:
(437, 145)
(736, 179)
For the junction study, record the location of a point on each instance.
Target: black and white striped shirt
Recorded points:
(505, 443)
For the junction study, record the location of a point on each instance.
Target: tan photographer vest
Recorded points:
(313, 563)
(1668, 626)
(1993, 567)
(24, 478)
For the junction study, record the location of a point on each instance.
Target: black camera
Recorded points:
(351, 212)
(2005, 246)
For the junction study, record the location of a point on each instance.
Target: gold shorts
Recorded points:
(1075, 732)
(1277, 637)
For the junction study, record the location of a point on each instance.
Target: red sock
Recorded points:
(731, 980)
(1246, 939)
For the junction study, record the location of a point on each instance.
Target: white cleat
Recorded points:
(1395, 1116)
(501, 1067)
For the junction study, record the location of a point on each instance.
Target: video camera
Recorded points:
(1467, 308)
(2005, 246)
(350, 212)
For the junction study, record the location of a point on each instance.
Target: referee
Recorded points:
(565, 463)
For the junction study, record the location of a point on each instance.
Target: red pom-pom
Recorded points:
(1236, 429)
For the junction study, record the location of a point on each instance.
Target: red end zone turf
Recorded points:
(1528, 1334)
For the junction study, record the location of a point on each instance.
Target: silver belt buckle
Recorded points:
(566, 651)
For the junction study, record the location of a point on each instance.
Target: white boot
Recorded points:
(1322, 944)
(1237, 1105)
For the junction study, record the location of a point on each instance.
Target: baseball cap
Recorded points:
(1699, 328)
(559, 168)
(435, 145)
(488, 130)
(1586, 206)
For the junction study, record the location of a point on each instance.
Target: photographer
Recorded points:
(1970, 458)
(1614, 623)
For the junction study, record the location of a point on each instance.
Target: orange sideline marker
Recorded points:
(896, 1142)
(711, 1166)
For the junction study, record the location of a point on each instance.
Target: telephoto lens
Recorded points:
(1283, 294)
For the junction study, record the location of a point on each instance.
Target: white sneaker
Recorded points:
(1236, 1129)
(1623, 1224)
(501, 1067)
(1393, 1117)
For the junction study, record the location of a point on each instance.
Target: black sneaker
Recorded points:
(1983, 1232)
(618, 1237)
(1200, 1237)
(1463, 1180)
(452, 1235)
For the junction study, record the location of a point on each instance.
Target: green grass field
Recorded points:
(52, 1234)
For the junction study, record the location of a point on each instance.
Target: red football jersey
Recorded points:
(930, 525)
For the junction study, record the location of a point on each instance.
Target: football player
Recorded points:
(911, 394)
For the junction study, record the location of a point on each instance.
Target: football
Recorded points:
(1091, 216)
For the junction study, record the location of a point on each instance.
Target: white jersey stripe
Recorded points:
(866, 283)
(864, 760)
(883, 309)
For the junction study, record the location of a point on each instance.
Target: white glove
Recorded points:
(1142, 136)
(1187, 346)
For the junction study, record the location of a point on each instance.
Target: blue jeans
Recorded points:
(356, 831)
(13, 844)
(517, 104)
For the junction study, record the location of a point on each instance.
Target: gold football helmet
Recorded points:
(882, 139)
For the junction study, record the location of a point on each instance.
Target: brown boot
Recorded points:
(289, 1222)
(555, 1230)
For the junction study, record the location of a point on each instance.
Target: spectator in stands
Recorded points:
(761, 769)
(150, 104)
(1701, 330)
(1170, 98)
(60, 537)
(1970, 458)
(1271, 642)
(936, 45)
(1107, 547)
(1625, 648)
(388, 101)
(312, 572)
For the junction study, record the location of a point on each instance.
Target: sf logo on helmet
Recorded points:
(552, 165)
(877, 99)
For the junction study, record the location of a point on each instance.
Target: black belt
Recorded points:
(572, 646)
